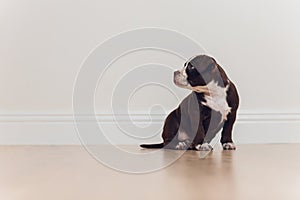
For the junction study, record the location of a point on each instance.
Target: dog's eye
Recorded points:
(191, 67)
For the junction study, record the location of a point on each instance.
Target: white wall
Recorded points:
(43, 43)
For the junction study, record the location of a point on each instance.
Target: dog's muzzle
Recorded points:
(180, 79)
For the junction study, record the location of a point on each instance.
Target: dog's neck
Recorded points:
(211, 89)
(201, 89)
(215, 97)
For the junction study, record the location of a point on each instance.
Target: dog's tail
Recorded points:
(152, 146)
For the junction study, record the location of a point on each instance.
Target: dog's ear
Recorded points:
(203, 63)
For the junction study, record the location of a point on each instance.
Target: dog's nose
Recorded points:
(176, 73)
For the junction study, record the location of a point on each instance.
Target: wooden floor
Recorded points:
(69, 172)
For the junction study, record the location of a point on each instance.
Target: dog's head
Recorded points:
(197, 71)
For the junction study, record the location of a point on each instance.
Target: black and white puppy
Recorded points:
(211, 106)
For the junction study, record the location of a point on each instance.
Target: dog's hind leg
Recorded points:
(170, 130)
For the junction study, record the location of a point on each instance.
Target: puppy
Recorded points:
(210, 107)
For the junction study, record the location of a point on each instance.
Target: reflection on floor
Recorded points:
(69, 172)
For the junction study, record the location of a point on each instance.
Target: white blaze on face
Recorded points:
(181, 79)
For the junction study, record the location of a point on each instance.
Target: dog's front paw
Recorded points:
(204, 147)
(182, 145)
(229, 146)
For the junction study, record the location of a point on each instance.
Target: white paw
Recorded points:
(204, 147)
(229, 146)
(182, 146)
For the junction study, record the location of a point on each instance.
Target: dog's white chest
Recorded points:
(216, 99)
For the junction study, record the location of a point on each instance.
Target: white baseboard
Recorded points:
(59, 129)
